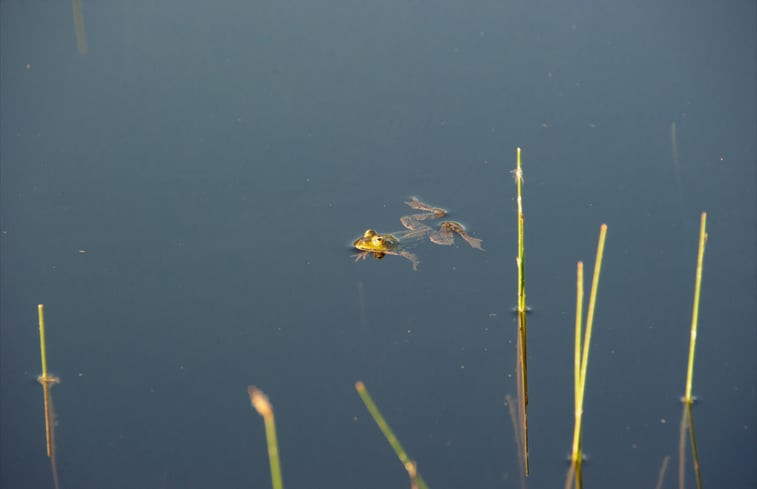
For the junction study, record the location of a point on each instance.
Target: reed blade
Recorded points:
(378, 418)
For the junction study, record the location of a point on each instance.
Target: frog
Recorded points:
(380, 245)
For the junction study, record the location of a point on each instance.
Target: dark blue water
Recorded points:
(183, 199)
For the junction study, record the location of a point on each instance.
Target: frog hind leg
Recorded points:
(412, 258)
(414, 226)
(432, 212)
(474, 242)
(455, 227)
(443, 236)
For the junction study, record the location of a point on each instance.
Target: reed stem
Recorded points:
(47, 381)
(582, 353)
(522, 309)
(263, 406)
(590, 311)
(42, 347)
(577, 344)
(521, 240)
(409, 465)
(695, 313)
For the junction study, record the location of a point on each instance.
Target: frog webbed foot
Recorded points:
(361, 256)
(364, 255)
(445, 235)
(410, 222)
(474, 242)
(442, 236)
(432, 212)
(413, 259)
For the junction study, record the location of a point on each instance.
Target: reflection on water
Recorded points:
(216, 208)
(81, 36)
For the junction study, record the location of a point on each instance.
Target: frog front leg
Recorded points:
(364, 255)
(361, 255)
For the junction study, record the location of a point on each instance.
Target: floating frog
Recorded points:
(379, 245)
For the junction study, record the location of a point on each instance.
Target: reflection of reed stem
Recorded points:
(663, 470)
(694, 451)
(81, 36)
(682, 449)
(687, 423)
(522, 381)
(378, 418)
(264, 408)
(511, 408)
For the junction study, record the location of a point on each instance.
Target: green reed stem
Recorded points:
(695, 313)
(583, 352)
(579, 327)
(521, 246)
(592, 304)
(263, 406)
(388, 434)
(522, 309)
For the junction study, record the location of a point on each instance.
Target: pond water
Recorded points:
(183, 198)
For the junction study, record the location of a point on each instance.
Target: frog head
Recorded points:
(373, 241)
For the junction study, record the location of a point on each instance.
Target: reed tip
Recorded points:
(260, 401)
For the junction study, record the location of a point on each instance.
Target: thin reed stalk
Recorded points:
(521, 261)
(687, 417)
(263, 406)
(522, 370)
(695, 313)
(578, 332)
(378, 418)
(47, 381)
(582, 353)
